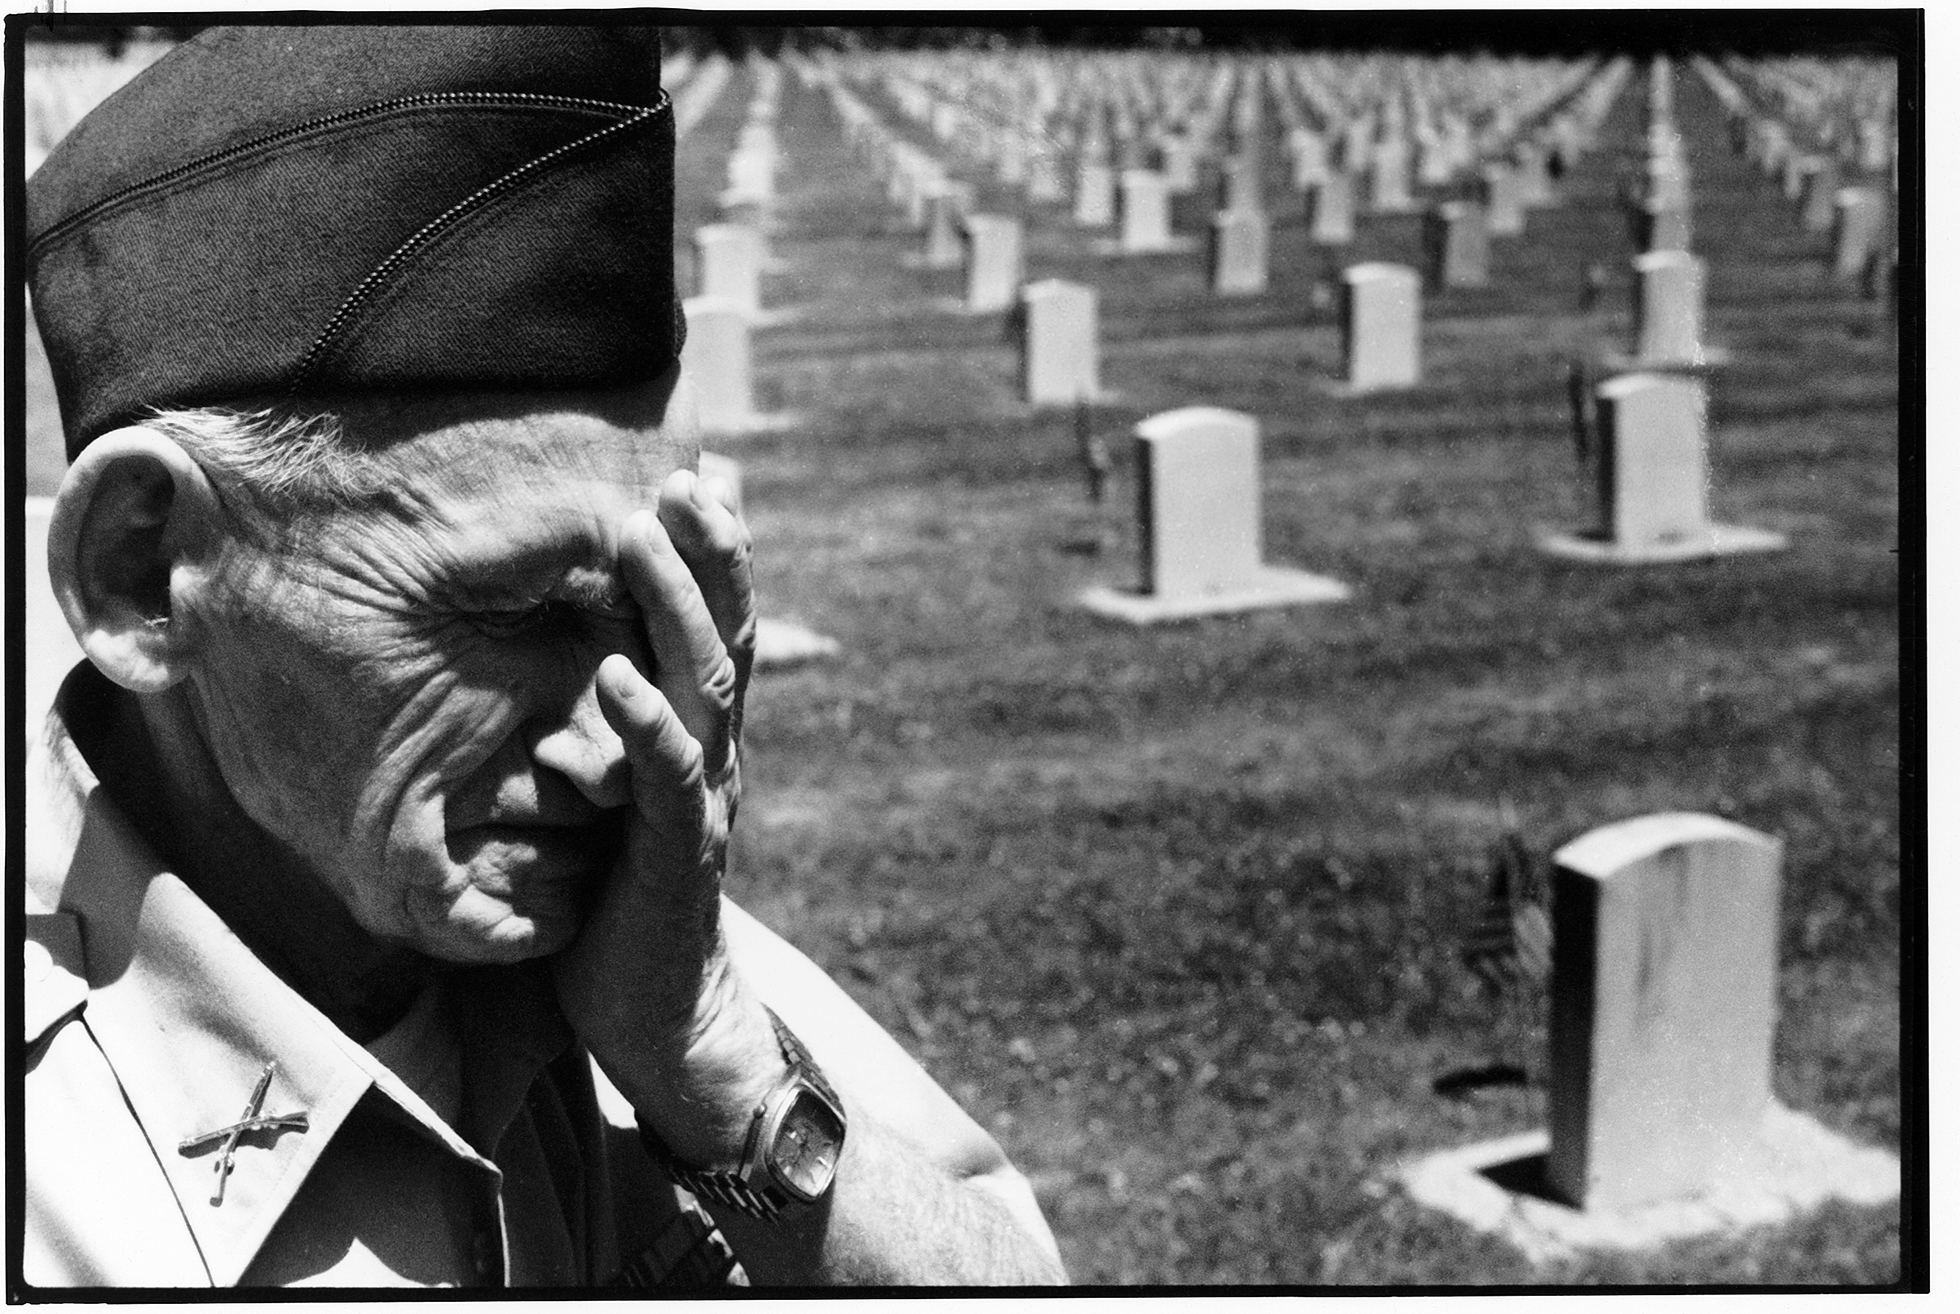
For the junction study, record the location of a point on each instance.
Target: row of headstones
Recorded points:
(1857, 216)
(1855, 121)
(1365, 148)
(729, 261)
(1238, 236)
(1198, 512)
(1180, 131)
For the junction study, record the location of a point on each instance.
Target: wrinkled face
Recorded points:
(405, 699)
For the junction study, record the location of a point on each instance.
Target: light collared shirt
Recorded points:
(474, 1144)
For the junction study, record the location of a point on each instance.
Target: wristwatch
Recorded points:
(795, 1139)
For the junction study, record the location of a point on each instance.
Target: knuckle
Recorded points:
(718, 688)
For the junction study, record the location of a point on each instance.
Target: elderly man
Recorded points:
(375, 924)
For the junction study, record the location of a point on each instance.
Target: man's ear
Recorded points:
(133, 509)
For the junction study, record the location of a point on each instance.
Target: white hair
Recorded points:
(270, 466)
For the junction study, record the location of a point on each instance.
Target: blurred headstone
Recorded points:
(1180, 163)
(1309, 151)
(730, 266)
(1146, 212)
(1651, 470)
(1238, 252)
(1820, 196)
(1534, 174)
(1332, 204)
(1045, 176)
(1381, 326)
(1095, 195)
(1389, 170)
(1663, 1004)
(993, 261)
(1058, 342)
(1239, 185)
(1456, 247)
(716, 355)
(1667, 309)
(1503, 201)
(1860, 218)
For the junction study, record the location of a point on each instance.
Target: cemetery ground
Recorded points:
(1177, 912)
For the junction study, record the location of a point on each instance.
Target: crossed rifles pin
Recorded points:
(249, 1121)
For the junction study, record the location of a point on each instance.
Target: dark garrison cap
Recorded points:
(305, 211)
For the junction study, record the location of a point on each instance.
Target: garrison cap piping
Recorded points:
(642, 116)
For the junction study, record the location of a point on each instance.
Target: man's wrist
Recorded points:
(702, 1105)
(791, 1151)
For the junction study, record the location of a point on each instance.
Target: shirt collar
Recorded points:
(188, 1017)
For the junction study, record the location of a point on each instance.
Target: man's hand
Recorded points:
(922, 1194)
(648, 985)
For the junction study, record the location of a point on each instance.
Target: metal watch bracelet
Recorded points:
(729, 1188)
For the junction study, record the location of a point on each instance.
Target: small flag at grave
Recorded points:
(1509, 946)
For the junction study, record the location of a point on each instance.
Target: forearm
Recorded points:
(898, 1217)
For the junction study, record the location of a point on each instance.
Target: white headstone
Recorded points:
(1663, 1004)
(1534, 175)
(1241, 184)
(1332, 204)
(1653, 460)
(1667, 308)
(1059, 347)
(1381, 325)
(1820, 196)
(1860, 221)
(1180, 162)
(1045, 176)
(1146, 211)
(730, 264)
(993, 261)
(1095, 195)
(1874, 145)
(1309, 150)
(1503, 202)
(1198, 472)
(1238, 252)
(1651, 463)
(1390, 176)
(1457, 245)
(716, 355)
(1198, 522)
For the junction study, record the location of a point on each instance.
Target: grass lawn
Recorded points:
(1177, 912)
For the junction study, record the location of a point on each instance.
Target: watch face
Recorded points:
(808, 1141)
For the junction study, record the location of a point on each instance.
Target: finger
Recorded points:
(692, 668)
(699, 515)
(668, 766)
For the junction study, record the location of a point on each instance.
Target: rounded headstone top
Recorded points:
(1615, 847)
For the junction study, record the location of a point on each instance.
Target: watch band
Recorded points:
(732, 1188)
